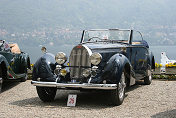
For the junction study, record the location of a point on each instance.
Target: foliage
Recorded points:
(166, 77)
(158, 65)
(32, 65)
(170, 65)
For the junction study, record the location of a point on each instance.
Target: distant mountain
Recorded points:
(155, 18)
(33, 14)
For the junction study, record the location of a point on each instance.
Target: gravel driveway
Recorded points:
(157, 100)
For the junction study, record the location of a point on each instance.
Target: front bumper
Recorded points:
(75, 86)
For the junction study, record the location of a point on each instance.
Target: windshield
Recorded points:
(106, 35)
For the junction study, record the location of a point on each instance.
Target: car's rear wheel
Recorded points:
(46, 94)
(1, 81)
(148, 78)
(118, 94)
(3, 75)
(24, 70)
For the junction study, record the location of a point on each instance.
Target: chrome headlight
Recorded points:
(95, 58)
(63, 72)
(60, 58)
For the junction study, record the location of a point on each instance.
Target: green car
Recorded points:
(13, 62)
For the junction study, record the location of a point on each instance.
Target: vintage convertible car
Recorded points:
(105, 59)
(13, 62)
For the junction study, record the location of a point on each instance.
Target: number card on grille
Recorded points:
(71, 100)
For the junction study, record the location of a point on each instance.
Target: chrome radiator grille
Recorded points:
(79, 58)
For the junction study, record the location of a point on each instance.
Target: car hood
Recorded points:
(104, 47)
(107, 50)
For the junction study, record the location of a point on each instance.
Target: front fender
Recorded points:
(115, 67)
(44, 68)
(3, 59)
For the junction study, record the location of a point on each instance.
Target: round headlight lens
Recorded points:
(95, 58)
(60, 58)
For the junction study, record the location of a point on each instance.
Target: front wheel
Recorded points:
(3, 76)
(118, 94)
(46, 94)
(148, 78)
(1, 81)
(24, 70)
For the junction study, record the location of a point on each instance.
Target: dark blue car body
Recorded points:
(129, 58)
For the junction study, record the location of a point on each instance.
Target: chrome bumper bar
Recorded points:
(76, 86)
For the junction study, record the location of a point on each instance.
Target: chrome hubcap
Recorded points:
(150, 75)
(122, 86)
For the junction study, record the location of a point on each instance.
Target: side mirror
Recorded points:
(43, 49)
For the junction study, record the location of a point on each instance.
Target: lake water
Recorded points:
(35, 52)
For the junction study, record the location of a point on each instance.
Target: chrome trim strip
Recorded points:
(89, 51)
(83, 86)
(108, 29)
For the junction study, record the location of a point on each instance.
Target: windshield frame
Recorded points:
(129, 38)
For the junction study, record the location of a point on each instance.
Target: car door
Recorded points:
(139, 55)
(14, 60)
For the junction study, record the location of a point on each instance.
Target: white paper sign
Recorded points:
(71, 100)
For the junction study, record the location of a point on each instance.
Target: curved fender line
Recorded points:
(117, 62)
(45, 61)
